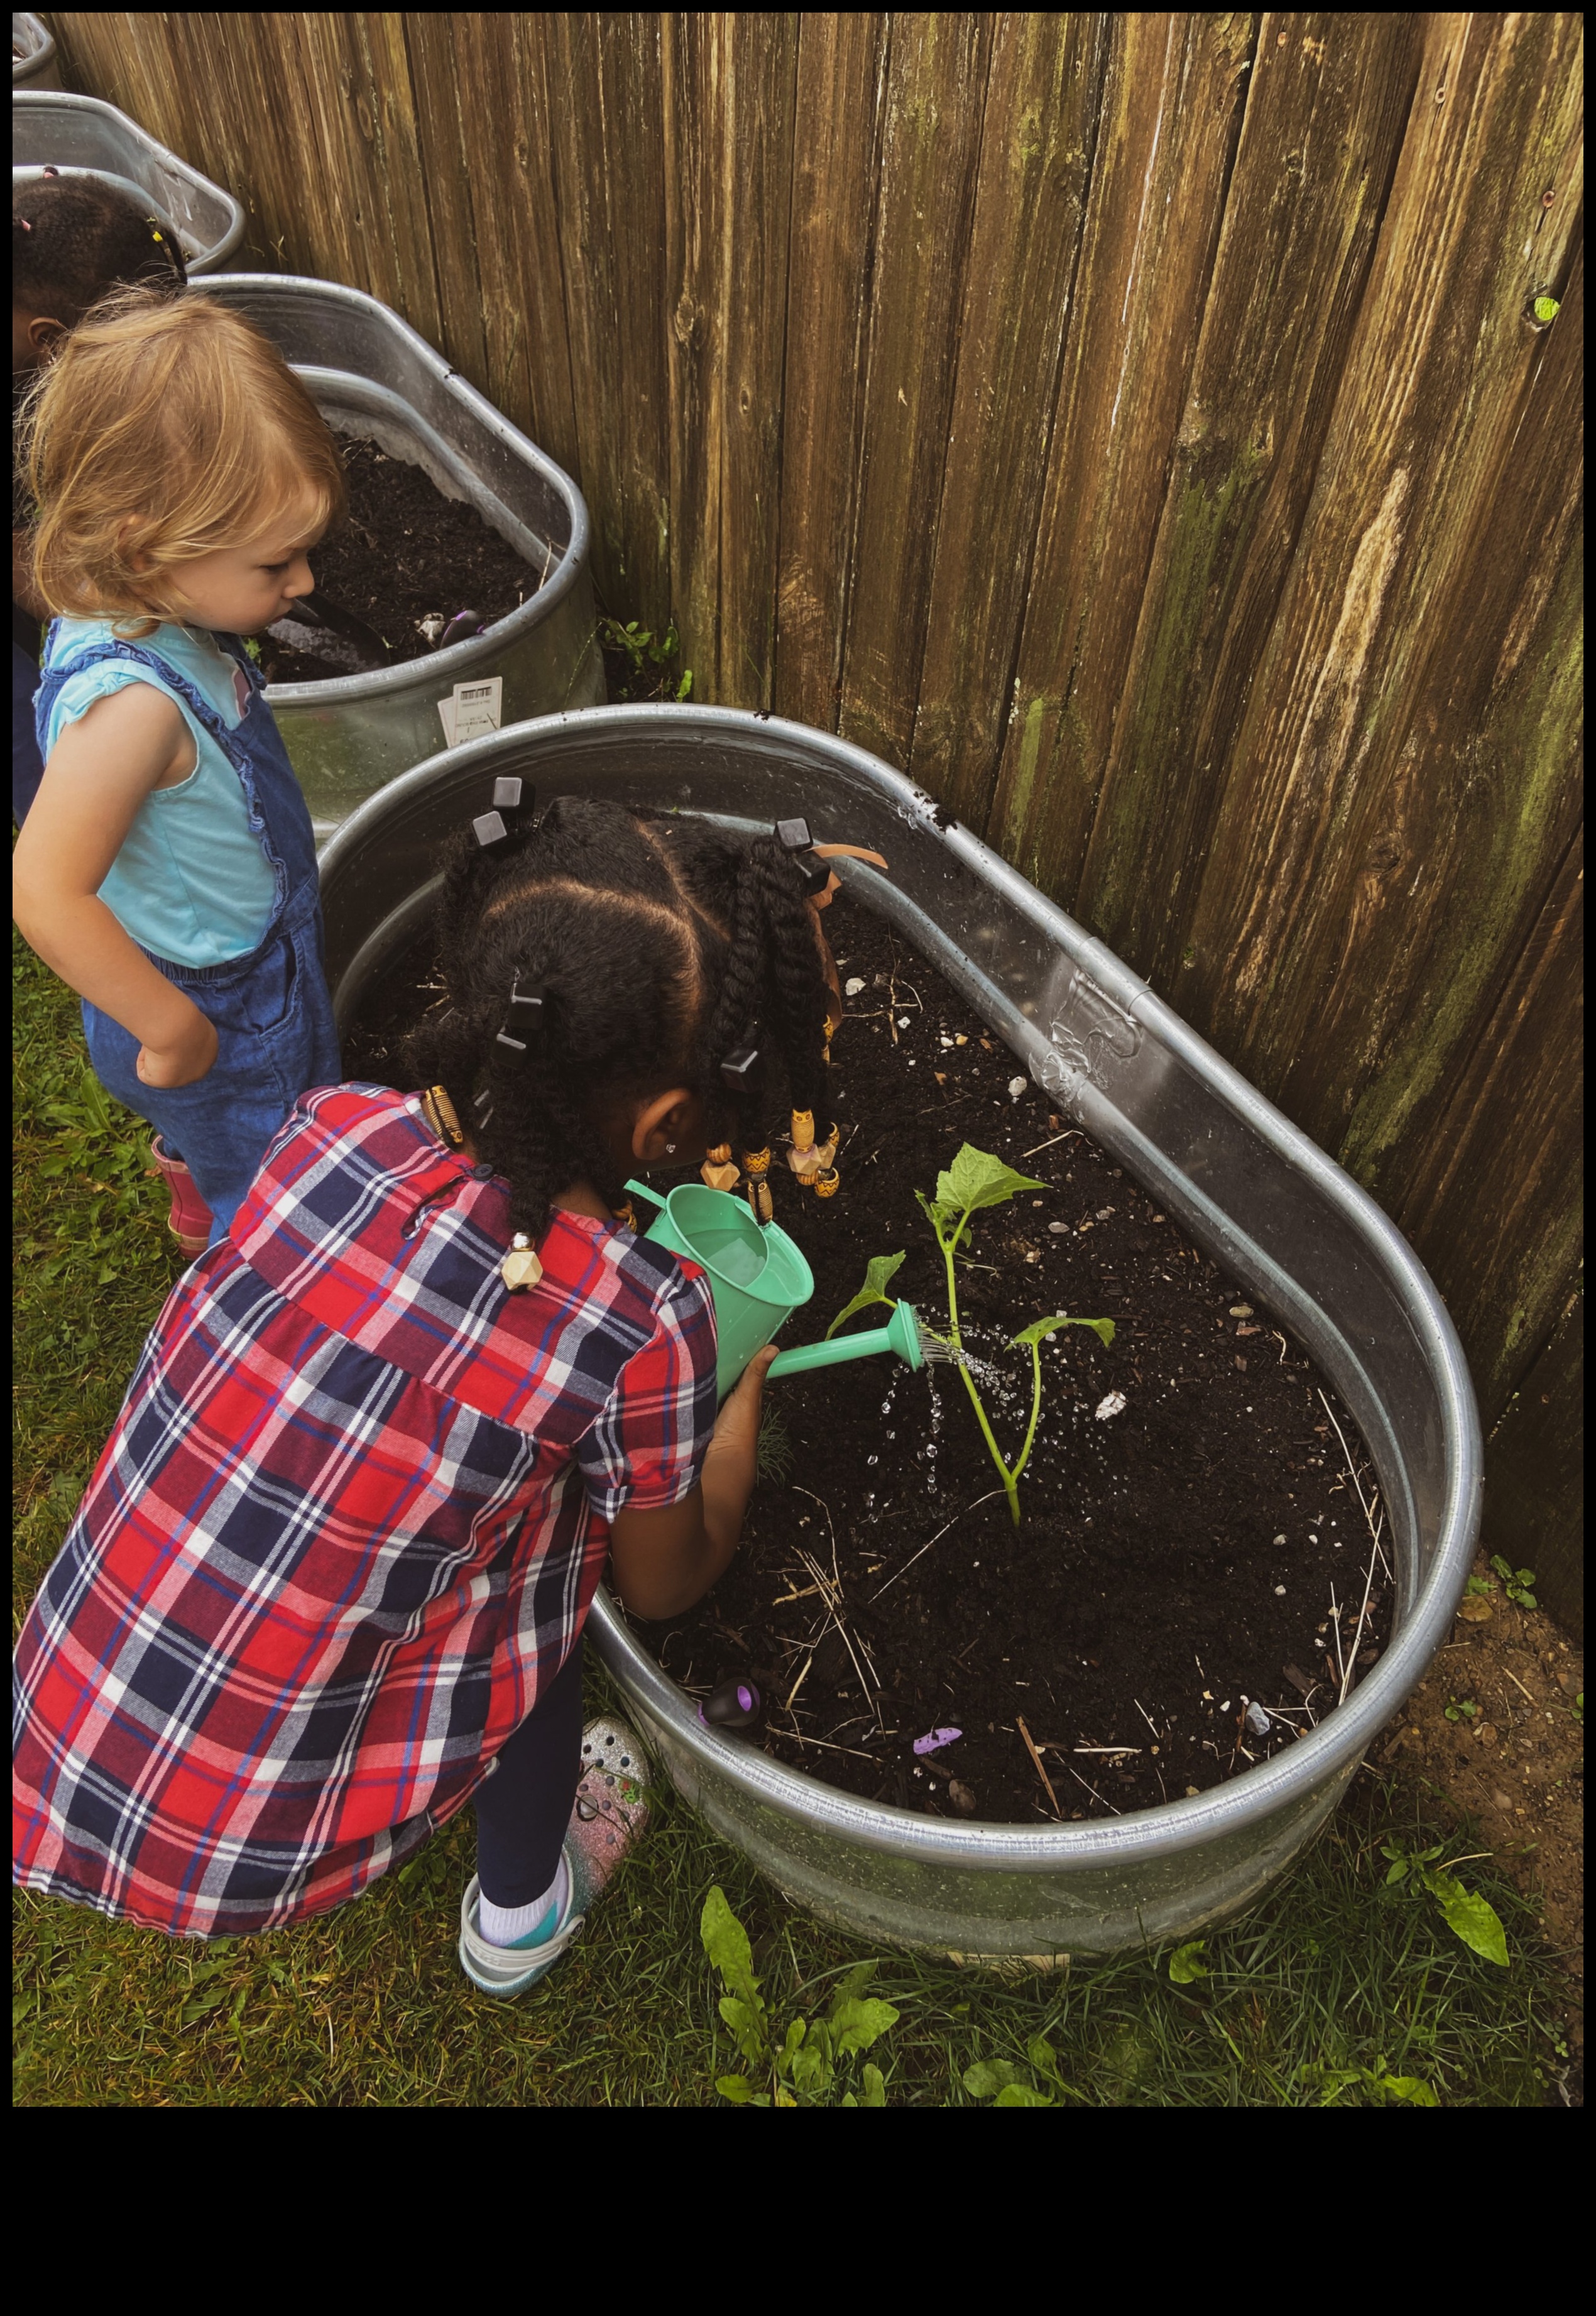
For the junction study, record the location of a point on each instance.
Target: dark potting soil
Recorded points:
(404, 554)
(1192, 1539)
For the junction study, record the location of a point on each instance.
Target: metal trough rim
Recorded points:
(1306, 1767)
(456, 663)
(59, 101)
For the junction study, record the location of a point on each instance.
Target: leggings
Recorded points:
(523, 1808)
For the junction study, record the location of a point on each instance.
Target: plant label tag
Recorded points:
(471, 709)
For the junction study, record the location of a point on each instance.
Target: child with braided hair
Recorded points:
(330, 1577)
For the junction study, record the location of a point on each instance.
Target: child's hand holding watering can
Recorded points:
(664, 1561)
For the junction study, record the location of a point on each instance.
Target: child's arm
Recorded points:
(664, 1561)
(100, 771)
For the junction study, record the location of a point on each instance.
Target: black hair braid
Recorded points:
(733, 1023)
(658, 944)
(74, 238)
(800, 997)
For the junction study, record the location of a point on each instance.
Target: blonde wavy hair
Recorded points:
(165, 428)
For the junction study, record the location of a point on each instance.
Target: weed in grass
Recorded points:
(772, 1453)
(803, 2064)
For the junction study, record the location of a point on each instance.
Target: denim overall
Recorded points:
(271, 1008)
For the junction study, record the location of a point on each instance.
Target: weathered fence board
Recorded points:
(935, 81)
(1133, 423)
(841, 87)
(1030, 192)
(1326, 108)
(1171, 111)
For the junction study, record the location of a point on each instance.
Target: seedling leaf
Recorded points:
(736, 2088)
(988, 2076)
(879, 1268)
(726, 1942)
(1472, 1918)
(1041, 1329)
(1021, 2095)
(977, 1178)
(1186, 1962)
(857, 2024)
(875, 2087)
(1412, 2089)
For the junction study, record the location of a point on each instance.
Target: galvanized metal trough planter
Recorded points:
(79, 134)
(35, 63)
(1262, 1199)
(371, 374)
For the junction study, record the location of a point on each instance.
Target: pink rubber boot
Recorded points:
(189, 1219)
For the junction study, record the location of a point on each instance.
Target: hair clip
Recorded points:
(794, 838)
(526, 1015)
(736, 1071)
(511, 795)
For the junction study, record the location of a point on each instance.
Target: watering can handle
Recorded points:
(642, 1190)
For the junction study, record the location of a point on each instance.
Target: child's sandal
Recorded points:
(610, 1813)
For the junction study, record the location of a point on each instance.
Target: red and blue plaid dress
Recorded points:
(347, 1528)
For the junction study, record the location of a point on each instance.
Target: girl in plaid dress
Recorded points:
(329, 1579)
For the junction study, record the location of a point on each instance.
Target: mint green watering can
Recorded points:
(758, 1279)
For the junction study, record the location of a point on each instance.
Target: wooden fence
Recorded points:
(1137, 426)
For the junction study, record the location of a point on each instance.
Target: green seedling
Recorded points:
(1472, 1918)
(1402, 2090)
(879, 1268)
(772, 1454)
(974, 1182)
(802, 2063)
(1476, 1586)
(1461, 1708)
(1186, 1963)
(649, 653)
(1516, 1582)
(1000, 2082)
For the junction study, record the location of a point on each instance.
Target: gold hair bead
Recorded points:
(521, 1268)
(441, 1117)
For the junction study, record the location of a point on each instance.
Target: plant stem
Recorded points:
(1010, 1479)
(1036, 1406)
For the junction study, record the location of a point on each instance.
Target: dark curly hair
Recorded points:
(659, 944)
(74, 238)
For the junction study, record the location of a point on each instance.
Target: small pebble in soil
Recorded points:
(1114, 1404)
(851, 988)
(1017, 1087)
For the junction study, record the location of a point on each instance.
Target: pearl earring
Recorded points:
(670, 1150)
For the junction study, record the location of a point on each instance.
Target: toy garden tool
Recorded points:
(757, 1276)
(758, 1279)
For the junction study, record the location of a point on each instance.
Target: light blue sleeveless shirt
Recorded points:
(192, 882)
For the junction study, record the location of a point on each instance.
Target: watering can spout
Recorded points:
(901, 1335)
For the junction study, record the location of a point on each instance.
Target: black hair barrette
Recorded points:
(794, 838)
(736, 1071)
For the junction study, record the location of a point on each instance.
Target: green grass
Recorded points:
(366, 2006)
